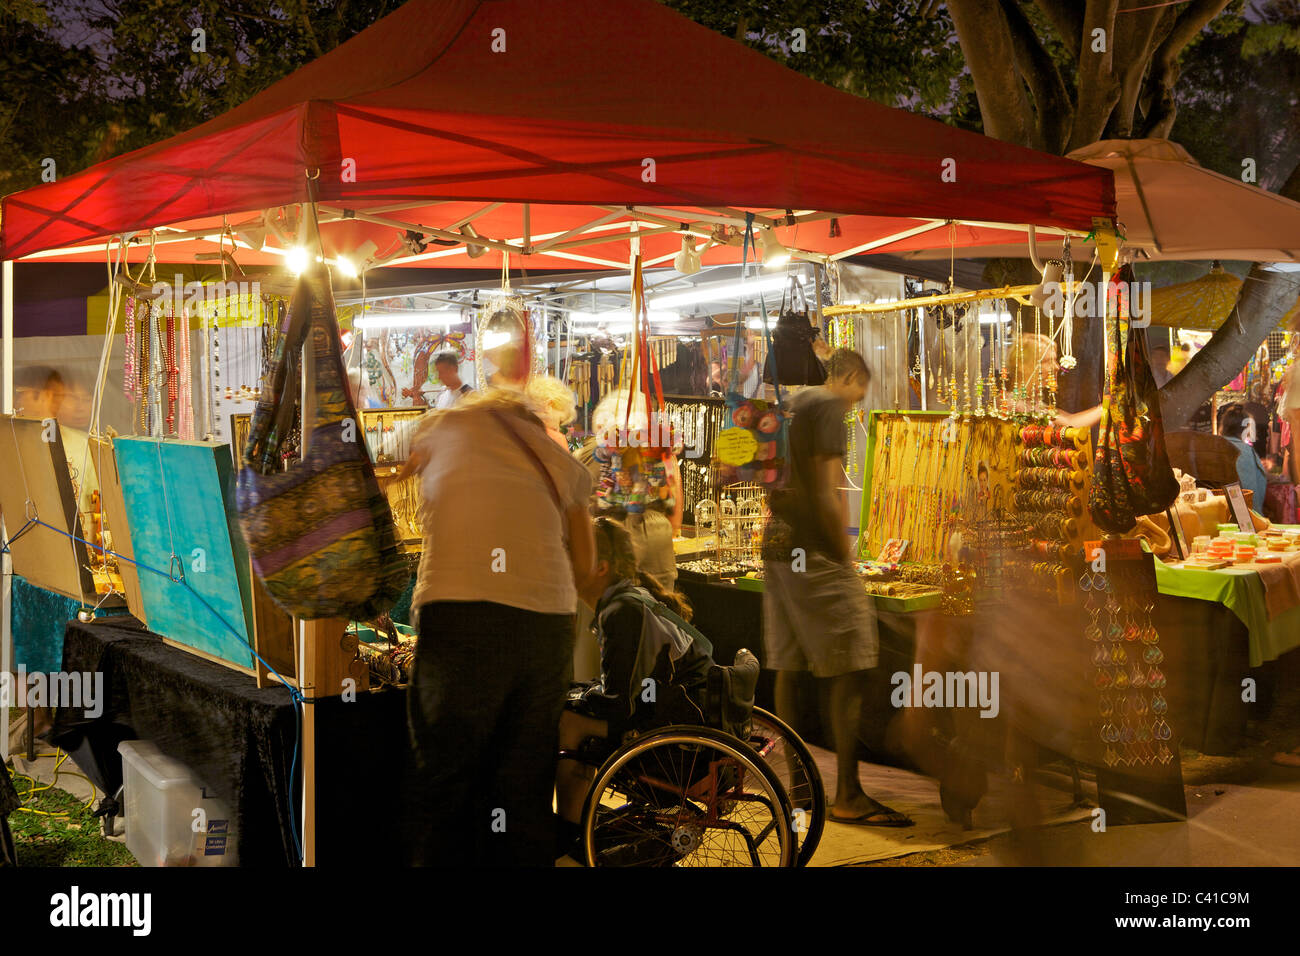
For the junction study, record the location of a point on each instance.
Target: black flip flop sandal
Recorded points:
(865, 819)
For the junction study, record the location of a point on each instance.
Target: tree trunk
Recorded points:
(986, 42)
(1265, 298)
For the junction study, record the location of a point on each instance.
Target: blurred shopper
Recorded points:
(1291, 409)
(78, 402)
(496, 596)
(1238, 426)
(39, 392)
(816, 616)
(447, 367)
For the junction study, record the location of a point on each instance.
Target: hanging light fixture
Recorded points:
(775, 255)
(471, 250)
(297, 259)
(1050, 294)
(353, 265)
(687, 261)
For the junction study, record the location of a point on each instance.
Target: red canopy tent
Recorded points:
(552, 130)
(449, 112)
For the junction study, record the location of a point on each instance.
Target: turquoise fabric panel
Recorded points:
(38, 618)
(179, 499)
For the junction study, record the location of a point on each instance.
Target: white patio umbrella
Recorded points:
(1172, 208)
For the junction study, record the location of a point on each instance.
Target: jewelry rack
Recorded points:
(697, 421)
(742, 518)
(927, 472)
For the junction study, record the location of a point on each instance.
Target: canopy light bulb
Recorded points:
(297, 259)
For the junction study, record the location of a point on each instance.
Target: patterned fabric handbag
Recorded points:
(1131, 474)
(321, 534)
(752, 443)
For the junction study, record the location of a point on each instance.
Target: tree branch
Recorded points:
(1134, 45)
(1165, 69)
(1051, 98)
(1067, 19)
(985, 38)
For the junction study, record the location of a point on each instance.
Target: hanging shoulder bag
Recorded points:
(321, 535)
(791, 359)
(1131, 474)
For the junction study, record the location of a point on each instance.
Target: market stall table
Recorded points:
(1265, 598)
(241, 742)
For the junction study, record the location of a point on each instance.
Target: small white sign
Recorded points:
(1239, 510)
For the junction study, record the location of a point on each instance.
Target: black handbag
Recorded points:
(792, 344)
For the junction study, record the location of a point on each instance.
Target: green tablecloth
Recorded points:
(1242, 592)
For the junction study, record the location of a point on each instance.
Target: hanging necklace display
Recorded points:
(184, 381)
(173, 372)
(1068, 360)
(216, 372)
(142, 371)
(128, 359)
(157, 371)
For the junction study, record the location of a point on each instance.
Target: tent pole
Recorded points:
(7, 277)
(6, 567)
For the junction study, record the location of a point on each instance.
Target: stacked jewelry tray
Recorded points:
(1052, 486)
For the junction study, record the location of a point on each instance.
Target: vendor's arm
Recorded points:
(674, 473)
(1086, 419)
(419, 454)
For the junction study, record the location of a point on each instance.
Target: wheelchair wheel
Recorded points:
(788, 756)
(687, 796)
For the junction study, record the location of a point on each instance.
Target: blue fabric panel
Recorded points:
(38, 618)
(180, 501)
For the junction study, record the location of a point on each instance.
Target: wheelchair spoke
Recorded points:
(690, 798)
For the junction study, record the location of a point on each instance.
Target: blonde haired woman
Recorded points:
(553, 402)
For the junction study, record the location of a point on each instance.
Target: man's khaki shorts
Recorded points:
(817, 619)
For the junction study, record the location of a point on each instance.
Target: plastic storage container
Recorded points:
(162, 796)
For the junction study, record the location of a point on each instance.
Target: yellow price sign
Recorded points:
(736, 446)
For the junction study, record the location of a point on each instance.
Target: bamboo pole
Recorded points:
(946, 298)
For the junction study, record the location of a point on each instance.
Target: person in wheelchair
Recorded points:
(654, 670)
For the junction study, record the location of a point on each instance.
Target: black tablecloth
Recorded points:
(732, 618)
(240, 741)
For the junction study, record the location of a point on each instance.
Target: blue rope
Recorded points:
(294, 694)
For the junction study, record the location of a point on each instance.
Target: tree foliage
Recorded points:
(900, 53)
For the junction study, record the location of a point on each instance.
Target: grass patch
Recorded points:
(72, 837)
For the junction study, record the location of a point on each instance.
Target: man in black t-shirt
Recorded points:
(816, 615)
